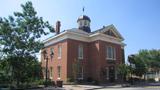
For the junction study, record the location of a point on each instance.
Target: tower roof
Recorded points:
(84, 17)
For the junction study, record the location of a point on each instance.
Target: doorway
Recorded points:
(111, 74)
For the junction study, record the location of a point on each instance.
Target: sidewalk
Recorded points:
(102, 87)
(81, 87)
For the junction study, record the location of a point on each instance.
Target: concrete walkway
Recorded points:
(96, 87)
(84, 87)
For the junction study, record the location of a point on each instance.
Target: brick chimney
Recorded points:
(58, 25)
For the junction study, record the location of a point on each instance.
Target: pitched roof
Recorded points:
(109, 27)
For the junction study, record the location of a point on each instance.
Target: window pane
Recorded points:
(59, 51)
(59, 71)
(51, 71)
(51, 53)
(114, 53)
(80, 52)
(80, 72)
(111, 53)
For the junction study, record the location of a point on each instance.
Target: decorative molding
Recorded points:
(82, 36)
(112, 27)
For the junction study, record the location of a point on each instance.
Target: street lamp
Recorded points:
(46, 58)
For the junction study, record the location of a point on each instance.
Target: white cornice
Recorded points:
(69, 34)
(103, 37)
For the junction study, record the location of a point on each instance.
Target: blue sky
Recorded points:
(137, 20)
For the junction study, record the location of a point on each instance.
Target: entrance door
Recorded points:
(111, 74)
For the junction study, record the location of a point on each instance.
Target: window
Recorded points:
(85, 23)
(107, 73)
(44, 71)
(51, 72)
(51, 53)
(80, 23)
(59, 51)
(111, 53)
(59, 71)
(80, 52)
(80, 72)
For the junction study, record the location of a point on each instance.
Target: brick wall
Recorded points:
(94, 58)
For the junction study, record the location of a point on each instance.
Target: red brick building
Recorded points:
(79, 53)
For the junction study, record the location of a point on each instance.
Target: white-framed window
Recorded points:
(51, 53)
(44, 72)
(107, 73)
(80, 52)
(85, 23)
(111, 53)
(80, 23)
(80, 72)
(51, 72)
(59, 71)
(59, 51)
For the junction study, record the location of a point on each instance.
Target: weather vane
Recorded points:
(83, 9)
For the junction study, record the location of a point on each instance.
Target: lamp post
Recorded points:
(46, 71)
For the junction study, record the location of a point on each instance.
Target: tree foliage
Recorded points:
(20, 39)
(19, 34)
(144, 61)
(123, 70)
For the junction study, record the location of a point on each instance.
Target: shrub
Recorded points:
(151, 80)
(89, 79)
(95, 82)
(70, 80)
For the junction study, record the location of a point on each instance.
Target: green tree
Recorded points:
(123, 70)
(145, 60)
(138, 65)
(153, 59)
(20, 39)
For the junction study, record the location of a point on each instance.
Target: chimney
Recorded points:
(58, 25)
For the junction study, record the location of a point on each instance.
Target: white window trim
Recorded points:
(51, 51)
(82, 75)
(80, 47)
(51, 73)
(59, 57)
(107, 75)
(44, 72)
(59, 51)
(59, 71)
(113, 50)
(80, 58)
